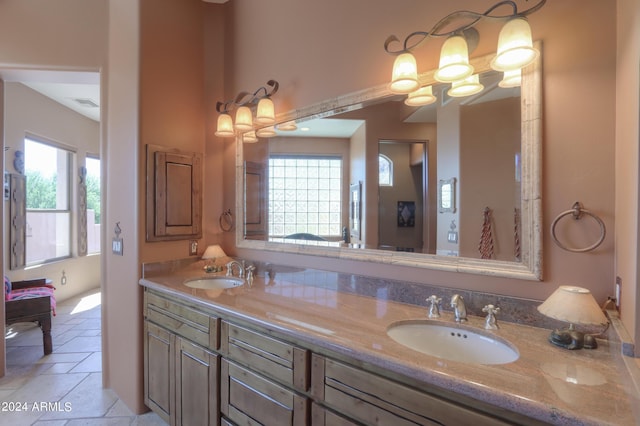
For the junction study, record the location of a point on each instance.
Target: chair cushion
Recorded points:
(27, 293)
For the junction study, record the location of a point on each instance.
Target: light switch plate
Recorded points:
(193, 248)
(117, 246)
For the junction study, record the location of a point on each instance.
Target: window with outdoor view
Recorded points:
(48, 198)
(93, 204)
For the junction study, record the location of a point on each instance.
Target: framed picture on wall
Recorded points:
(406, 214)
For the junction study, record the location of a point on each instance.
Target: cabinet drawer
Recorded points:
(279, 360)
(375, 400)
(183, 320)
(321, 416)
(245, 396)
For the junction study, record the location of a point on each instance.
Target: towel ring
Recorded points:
(226, 221)
(577, 211)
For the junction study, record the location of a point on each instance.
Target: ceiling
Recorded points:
(78, 91)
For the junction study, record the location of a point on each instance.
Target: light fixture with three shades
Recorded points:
(245, 123)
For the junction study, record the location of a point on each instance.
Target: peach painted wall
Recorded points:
(63, 35)
(487, 174)
(121, 295)
(335, 47)
(627, 140)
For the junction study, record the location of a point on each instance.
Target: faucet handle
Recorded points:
(491, 323)
(434, 310)
(249, 274)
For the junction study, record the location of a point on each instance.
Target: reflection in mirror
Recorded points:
(377, 180)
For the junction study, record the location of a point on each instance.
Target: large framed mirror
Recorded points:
(489, 144)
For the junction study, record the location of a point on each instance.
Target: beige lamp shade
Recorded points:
(225, 126)
(244, 120)
(213, 252)
(454, 60)
(466, 87)
(266, 132)
(574, 305)
(515, 46)
(422, 96)
(265, 114)
(404, 78)
(511, 78)
(249, 137)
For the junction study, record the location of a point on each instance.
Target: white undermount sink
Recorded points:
(453, 343)
(216, 282)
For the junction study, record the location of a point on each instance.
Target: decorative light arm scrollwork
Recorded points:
(247, 98)
(473, 17)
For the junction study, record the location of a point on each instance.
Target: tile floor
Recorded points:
(65, 387)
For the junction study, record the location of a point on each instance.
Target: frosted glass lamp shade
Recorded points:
(574, 305)
(249, 137)
(404, 78)
(266, 132)
(225, 126)
(511, 78)
(213, 252)
(265, 114)
(454, 60)
(244, 120)
(422, 96)
(515, 46)
(467, 87)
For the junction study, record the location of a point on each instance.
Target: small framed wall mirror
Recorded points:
(447, 196)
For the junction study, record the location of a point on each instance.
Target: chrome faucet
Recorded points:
(459, 309)
(240, 266)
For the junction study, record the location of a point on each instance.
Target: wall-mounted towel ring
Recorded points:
(227, 223)
(577, 211)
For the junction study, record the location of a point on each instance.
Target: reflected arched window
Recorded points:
(385, 170)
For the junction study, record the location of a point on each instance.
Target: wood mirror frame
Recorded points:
(530, 266)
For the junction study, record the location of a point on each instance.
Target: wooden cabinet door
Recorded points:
(174, 194)
(197, 390)
(249, 399)
(159, 367)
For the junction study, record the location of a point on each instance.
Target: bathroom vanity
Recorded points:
(285, 352)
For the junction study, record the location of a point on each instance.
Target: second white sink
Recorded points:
(216, 282)
(454, 343)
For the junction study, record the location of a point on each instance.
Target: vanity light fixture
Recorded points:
(244, 103)
(515, 46)
(576, 306)
(266, 132)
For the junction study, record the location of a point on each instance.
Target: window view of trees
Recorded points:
(48, 171)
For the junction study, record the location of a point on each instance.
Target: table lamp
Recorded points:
(576, 306)
(212, 253)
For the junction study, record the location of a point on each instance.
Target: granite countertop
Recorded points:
(547, 383)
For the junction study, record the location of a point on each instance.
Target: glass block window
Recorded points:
(305, 196)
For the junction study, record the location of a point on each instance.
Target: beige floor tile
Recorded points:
(71, 375)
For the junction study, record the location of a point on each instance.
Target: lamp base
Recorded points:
(570, 338)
